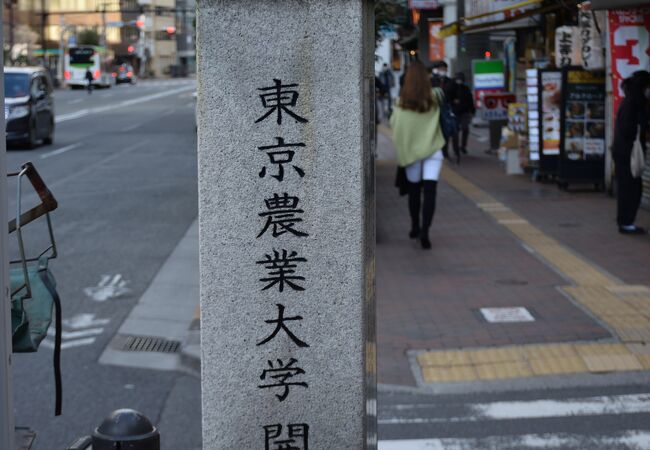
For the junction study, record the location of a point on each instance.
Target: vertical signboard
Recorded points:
(550, 100)
(532, 99)
(590, 43)
(488, 75)
(629, 43)
(436, 44)
(582, 146)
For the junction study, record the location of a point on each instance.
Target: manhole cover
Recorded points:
(512, 282)
(147, 344)
(507, 315)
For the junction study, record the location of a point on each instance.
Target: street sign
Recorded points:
(495, 105)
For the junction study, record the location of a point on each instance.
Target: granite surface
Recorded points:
(322, 47)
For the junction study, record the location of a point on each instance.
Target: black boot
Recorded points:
(414, 208)
(430, 189)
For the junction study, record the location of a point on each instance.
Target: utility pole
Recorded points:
(103, 35)
(46, 62)
(7, 433)
(10, 5)
(61, 49)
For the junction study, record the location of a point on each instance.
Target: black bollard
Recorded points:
(126, 429)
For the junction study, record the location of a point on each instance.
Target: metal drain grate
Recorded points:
(149, 344)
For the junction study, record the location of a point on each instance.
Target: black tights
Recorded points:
(429, 187)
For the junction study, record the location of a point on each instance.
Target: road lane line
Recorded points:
(60, 150)
(538, 409)
(131, 127)
(72, 115)
(122, 104)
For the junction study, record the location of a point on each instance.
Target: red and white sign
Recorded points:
(495, 105)
(436, 45)
(629, 41)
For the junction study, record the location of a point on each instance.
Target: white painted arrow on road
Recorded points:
(110, 286)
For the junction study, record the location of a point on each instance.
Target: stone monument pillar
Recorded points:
(286, 224)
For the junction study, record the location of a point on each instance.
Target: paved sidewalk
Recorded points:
(501, 241)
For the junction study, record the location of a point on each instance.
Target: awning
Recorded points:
(491, 19)
(618, 4)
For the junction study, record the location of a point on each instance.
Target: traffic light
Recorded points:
(488, 54)
(130, 49)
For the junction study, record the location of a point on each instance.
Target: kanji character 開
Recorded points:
(278, 98)
(297, 437)
(280, 158)
(280, 325)
(280, 376)
(281, 267)
(281, 215)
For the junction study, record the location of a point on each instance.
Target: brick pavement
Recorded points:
(430, 300)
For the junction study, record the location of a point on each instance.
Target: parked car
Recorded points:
(29, 105)
(124, 74)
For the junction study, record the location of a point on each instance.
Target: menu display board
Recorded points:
(550, 91)
(584, 113)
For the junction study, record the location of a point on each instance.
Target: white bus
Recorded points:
(82, 57)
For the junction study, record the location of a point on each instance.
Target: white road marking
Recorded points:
(72, 115)
(632, 440)
(122, 104)
(76, 334)
(85, 327)
(71, 344)
(60, 150)
(109, 287)
(84, 321)
(131, 127)
(537, 409)
(76, 100)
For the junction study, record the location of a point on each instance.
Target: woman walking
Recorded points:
(419, 140)
(631, 124)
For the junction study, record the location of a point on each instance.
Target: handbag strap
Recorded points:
(56, 359)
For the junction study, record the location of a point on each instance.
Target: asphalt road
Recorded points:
(123, 168)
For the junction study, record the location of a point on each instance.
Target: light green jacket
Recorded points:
(416, 135)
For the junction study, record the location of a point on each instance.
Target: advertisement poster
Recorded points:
(518, 118)
(550, 98)
(495, 105)
(584, 112)
(629, 41)
(436, 44)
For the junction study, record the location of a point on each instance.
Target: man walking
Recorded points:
(463, 107)
(89, 79)
(387, 83)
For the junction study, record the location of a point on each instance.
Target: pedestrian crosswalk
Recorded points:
(631, 440)
(603, 422)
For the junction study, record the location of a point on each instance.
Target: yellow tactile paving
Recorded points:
(503, 370)
(455, 373)
(444, 358)
(496, 355)
(558, 366)
(629, 289)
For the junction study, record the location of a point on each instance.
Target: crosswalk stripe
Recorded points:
(632, 440)
(536, 409)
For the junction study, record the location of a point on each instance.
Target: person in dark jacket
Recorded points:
(89, 79)
(463, 107)
(439, 79)
(631, 124)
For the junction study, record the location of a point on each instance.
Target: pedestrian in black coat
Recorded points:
(463, 107)
(631, 124)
